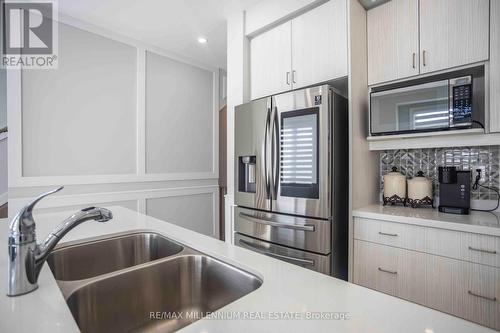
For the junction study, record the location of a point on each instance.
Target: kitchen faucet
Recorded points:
(26, 257)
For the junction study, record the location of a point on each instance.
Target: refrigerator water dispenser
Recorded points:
(246, 173)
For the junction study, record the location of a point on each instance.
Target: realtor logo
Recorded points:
(29, 34)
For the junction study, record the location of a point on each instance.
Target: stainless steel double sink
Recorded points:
(142, 282)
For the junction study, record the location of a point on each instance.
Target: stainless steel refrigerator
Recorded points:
(291, 178)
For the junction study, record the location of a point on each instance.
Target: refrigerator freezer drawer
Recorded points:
(313, 261)
(297, 232)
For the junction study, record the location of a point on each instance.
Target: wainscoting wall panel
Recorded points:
(179, 100)
(119, 123)
(190, 211)
(81, 118)
(130, 204)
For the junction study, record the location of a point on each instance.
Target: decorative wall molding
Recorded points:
(112, 188)
(111, 198)
(14, 110)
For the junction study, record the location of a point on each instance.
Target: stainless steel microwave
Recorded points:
(433, 106)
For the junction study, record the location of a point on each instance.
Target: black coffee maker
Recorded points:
(454, 191)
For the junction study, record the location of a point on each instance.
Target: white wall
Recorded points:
(3, 137)
(81, 118)
(3, 169)
(222, 88)
(3, 98)
(238, 92)
(179, 105)
(119, 123)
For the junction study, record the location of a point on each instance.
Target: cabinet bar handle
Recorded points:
(270, 222)
(493, 299)
(386, 271)
(423, 58)
(294, 74)
(265, 251)
(288, 78)
(386, 234)
(482, 250)
(413, 61)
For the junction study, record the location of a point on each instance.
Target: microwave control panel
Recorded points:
(462, 105)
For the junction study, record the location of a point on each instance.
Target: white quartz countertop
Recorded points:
(287, 289)
(476, 222)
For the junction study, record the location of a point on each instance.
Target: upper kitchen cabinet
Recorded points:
(270, 62)
(453, 33)
(309, 49)
(411, 37)
(495, 67)
(319, 44)
(393, 41)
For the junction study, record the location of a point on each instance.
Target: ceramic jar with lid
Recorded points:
(394, 187)
(419, 190)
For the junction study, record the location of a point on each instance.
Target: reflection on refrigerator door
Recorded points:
(252, 156)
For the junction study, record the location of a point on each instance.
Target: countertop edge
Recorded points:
(367, 212)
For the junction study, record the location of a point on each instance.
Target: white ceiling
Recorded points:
(173, 25)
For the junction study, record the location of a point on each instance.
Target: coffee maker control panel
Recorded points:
(454, 191)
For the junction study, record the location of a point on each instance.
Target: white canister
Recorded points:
(419, 187)
(394, 184)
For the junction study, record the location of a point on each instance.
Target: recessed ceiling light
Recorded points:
(202, 40)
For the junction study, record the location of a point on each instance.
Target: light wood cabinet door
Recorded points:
(319, 44)
(495, 67)
(401, 235)
(466, 246)
(453, 33)
(466, 290)
(270, 62)
(390, 270)
(393, 41)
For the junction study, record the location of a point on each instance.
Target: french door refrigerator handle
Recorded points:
(270, 222)
(275, 153)
(265, 169)
(275, 255)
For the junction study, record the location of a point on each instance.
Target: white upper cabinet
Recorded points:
(319, 44)
(495, 67)
(309, 49)
(411, 37)
(453, 33)
(270, 62)
(393, 41)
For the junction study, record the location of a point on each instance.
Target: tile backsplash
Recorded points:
(410, 161)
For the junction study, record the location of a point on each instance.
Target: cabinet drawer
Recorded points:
(466, 290)
(476, 248)
(406, 236)
(390, 270)
(482, 249)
